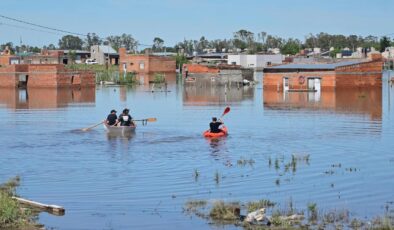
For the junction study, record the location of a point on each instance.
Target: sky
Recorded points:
(176, 20)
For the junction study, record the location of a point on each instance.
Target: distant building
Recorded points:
(316, 77)
(104, 54)
(255, 60)
(145, 63)
(388, 53)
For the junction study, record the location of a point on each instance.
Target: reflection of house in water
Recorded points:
(354, 101)
(198, 95)
(45, 98)
(146, 78)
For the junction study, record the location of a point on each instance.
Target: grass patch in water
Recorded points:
(255, 205)
(12, 214)
(225, 211)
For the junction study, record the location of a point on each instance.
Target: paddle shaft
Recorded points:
(91, 127)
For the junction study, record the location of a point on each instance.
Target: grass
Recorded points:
(225, 211)
(12, 215)
(159, 78)
(255, 205)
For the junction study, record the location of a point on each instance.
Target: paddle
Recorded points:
(226, 110)
(91, 127)
(152, 119)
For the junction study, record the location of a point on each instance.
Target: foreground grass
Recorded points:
(13, 215)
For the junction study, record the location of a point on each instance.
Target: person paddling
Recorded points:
(112, 118)
(125, 119)
(215, 124)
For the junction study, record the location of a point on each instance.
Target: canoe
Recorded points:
(221, 134)
(119, 130)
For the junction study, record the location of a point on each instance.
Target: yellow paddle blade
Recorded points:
(153, 119)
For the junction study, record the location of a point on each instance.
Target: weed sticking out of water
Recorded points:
(196, 174)
(217, 177)
(312, 211)
(277, 182)
(244, 162)
(277, 164)
(269, 162)
(255, 205)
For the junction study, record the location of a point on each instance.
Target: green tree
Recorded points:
(158, 44)
(70, 42)
(384, 43)
(92, 39)
(124, 40)
(292, 47)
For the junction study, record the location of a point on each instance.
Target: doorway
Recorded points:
(286, 86)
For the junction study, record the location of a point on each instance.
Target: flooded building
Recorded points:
(255, 60)
(217, 74)
(44, 75)
(103, 54)
(145, 63)
(315, 77)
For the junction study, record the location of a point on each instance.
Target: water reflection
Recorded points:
(45, 98)
(196, 94)
(353, 101)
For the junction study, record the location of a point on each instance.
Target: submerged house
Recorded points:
(44, 75)
(316, 77)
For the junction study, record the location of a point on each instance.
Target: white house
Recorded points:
(255, 60)
(388, 53)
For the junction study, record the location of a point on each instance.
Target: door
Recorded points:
(286, 84)
(311, 83)
(317, 84)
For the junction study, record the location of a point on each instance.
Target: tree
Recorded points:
(157, 44)
(10, 46)
(292, 47)
(70, 42)
(125, 40)
(92, 39)
(243, 39)
(384, 43)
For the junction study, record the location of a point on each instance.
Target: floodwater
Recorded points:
(343, 142)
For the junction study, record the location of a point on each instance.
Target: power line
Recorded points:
(49, 28)
(27, 28)
(45, 27)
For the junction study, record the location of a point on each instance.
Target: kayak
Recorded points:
(119, 130)
(221, 134)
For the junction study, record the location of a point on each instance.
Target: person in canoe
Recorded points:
(125, 119)
(112, 118)
(215, 125)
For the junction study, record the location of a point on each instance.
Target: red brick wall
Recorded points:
(368, 74)
(8, 76)
(273, 80)
(196, 68)
(151, 63)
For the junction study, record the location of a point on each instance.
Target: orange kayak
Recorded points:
(221, 134)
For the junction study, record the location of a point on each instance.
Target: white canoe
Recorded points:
(119, 130)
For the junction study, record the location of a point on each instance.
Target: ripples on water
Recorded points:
(143, 181)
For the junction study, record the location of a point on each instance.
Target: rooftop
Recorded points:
(329, 66)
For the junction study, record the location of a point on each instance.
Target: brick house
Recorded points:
(44, 75)
(145, 63)
(304, 77)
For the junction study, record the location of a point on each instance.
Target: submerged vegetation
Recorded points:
(264, 214)
(12, 214)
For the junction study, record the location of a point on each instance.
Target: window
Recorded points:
(142, 65)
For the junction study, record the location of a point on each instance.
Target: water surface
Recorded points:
(143, 181)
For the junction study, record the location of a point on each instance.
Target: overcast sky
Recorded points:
(174, 20)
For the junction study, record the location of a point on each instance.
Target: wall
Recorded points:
(254, 61)
(45, 75)
(275, 80)
(361, 75)
(150, 63)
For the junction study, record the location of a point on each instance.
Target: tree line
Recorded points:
(241, 41)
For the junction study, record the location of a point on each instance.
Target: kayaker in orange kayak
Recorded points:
(215, 125)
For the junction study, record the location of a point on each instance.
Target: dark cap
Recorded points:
(126, 110)
(113, 111)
